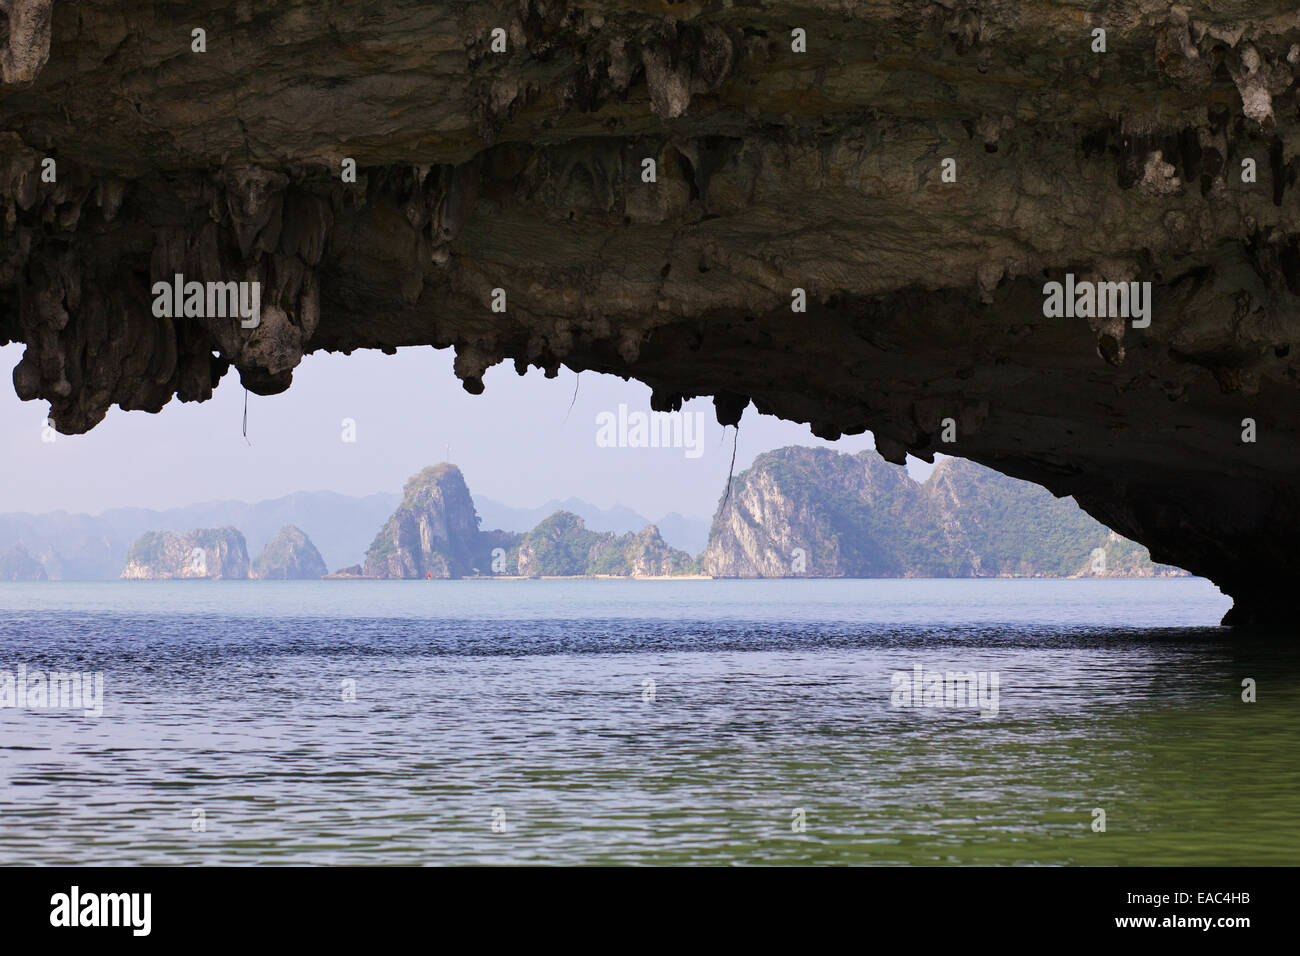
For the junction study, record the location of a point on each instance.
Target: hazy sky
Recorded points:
(518, 442)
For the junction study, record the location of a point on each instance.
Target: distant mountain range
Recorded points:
(795, 512)
(94, 547)
(81, 547)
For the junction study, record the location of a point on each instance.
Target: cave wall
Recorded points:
(776, 169)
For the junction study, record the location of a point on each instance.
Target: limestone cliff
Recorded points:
(208, 553)
(16, 564)
(645, 554)
(290, 555)
(800, 511)
(920, 170)
(563, 546)
(814, 512)
(433, 532)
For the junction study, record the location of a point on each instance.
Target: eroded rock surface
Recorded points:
(562, 546)
(213, 554)
(432, 534)
(811, 512)
(17, 564)
(289, 556)
(776, 170)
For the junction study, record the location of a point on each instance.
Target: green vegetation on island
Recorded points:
(289, 556)
(562, 546)
(817, 512)
(795, 512)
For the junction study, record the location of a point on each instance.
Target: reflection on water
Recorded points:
(532, 698)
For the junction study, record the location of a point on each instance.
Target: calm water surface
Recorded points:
(526, 700)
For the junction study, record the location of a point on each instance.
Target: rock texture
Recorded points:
(643, 554)
(562, 546)
(433, 533)
(16, 564)
(351, 571)
(775, 169)
(208, 553)
(94, 547)
(812, 512)
(289, 556)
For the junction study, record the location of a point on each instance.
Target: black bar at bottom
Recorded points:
(334, 906)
